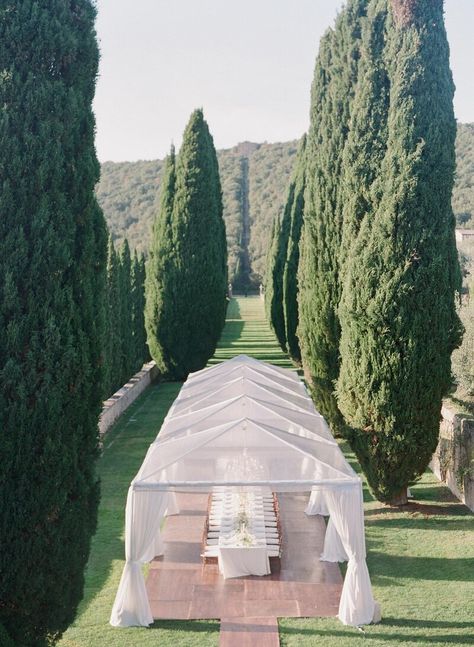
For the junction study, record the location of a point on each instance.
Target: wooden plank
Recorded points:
(249, 632)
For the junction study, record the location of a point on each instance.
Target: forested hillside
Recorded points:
(463, 196)
(127, 193)
(254, 180)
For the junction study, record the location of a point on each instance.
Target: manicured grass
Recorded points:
(421, 560)
(247, 332)
(124, 449)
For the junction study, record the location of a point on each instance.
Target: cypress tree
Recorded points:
(367, 138)
(52, 293)
(276, 267)
(290, 273)
(186, 309)
(272, 299)
(399, 324)
(319, 288)
(113, 338)
(140, 349)
(159, 286)
(126, 347)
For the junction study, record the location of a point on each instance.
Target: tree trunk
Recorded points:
(400, 498)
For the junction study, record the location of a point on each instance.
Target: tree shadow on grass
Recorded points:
(419, 517)
(233, 310)
(191, 625)
(427, 624)
(396, 567)
(231, 334)
(383, 634)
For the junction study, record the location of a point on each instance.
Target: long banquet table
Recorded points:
(242, 532)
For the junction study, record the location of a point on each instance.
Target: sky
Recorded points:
(247, 63)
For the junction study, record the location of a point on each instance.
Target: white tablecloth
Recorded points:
(239, 561)
(241, 521)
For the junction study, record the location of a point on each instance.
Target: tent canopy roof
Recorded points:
(243, 423)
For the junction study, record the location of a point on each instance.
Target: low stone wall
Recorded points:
(123, 398)
(453, 460)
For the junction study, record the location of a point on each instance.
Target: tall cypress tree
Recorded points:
(276, 268)
(272, 300)
(399, 324)
(186, 303)
(113, 339)
(367, 138)
(126, 348)
(319, 288)
(52, 293)
(140, 350)
(290, 273)
(159, 285)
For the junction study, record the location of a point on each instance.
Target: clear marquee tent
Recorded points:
(245, 424)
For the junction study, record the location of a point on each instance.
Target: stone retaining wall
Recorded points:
(453, 460)
(123, 398)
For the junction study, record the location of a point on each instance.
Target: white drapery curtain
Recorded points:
(333, 550)
(317, 503)
(143, 516)
(346, 511)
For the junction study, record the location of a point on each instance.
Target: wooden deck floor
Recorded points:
(249, 632)
(179, 587)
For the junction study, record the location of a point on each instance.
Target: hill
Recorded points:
(254, 180)
(463, 195)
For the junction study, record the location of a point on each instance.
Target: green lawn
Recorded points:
(247, 332)
(421, 561)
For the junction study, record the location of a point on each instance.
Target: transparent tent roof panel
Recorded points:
(257, 428)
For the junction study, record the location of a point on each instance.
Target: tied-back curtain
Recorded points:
(143, 516)
(345, 507)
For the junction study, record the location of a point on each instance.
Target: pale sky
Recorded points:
(248, 63)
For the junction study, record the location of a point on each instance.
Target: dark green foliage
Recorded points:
(160, 290)
(319, 288)
(367, 139)
(233, 170)
(126, 348)
(113, 342)
(127, 194)
(253, 176)
(275, 269)
(187, 271)
(52, 316)
(273, 284)
(463, 193)
(290, 273)
(399, 324)
(140, 348)
(270, 169)
(282, 263)
(5, 640)
(125, 322)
